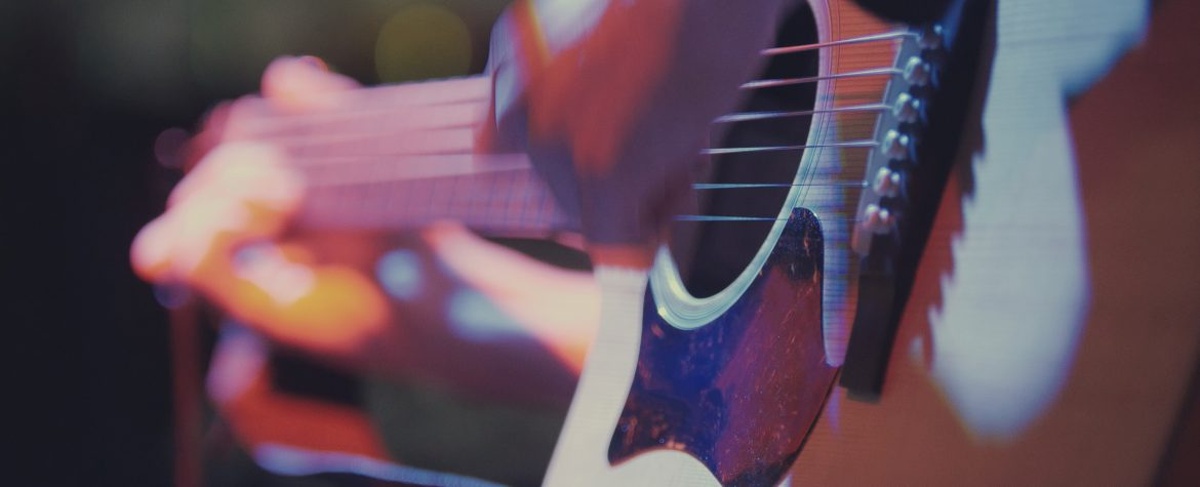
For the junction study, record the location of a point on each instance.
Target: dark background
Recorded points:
(85, 89)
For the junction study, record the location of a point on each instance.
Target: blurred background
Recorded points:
(87, 87)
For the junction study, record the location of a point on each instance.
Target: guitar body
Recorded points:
(343, 159)
(1037, 345)
(722, 388)
(1034, 349)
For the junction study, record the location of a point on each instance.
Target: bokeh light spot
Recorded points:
(422, 41)
(474, 317)
(399, 271)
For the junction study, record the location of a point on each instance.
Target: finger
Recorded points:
(254, 173)
(257, 175)
(174, 246)
(302, 84)
(209, 136)
(150, 253)
(213, 229)
(241, 192)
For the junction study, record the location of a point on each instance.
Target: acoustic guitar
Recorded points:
(370, 169)
(1020, 357)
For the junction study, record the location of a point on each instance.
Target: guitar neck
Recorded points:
(403, 156)
(506, 200)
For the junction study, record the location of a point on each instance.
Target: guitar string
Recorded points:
(710, 186)
(351, 184)
(782, 82)
(885, 36)
(752, 116)
(278, 121)
(853, 144)
(480, 163)
(772, 83)
(318, 141)
(384, 108)
(483, 162)
(374, 179)
(726, 218)
(730, 118)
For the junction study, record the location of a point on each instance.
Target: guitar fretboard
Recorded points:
(403, 156)
(510, 200)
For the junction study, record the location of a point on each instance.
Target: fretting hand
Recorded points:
(222, 235)
(228, 234)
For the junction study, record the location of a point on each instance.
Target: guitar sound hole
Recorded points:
(710, 255)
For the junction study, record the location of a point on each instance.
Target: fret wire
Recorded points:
(523, 206)
(491, 186)
(886, 36)
(771, 83)
(425, 195)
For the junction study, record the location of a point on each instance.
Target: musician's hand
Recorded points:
(221, 237)
(221, 233)
(227, 234)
